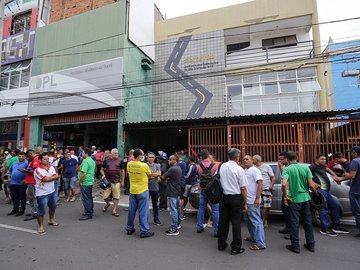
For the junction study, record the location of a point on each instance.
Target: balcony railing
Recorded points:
(270, 54)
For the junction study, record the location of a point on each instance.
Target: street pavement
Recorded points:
(101, 243)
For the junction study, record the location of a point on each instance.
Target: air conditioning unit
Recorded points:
(146, 64)
(350, 73)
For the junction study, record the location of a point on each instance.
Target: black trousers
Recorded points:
(163, 197)
(230, 210)
(18, 195)
(286, 215)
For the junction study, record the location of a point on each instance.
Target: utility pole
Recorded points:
(2, 7)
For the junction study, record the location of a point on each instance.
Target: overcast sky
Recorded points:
(329, 10)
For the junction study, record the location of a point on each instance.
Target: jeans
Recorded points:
(201, 213)
(87, 200)
(56, 185)
(139, 202)
(44, 201)
(230, 210)
(255, 225)
(30, 193)
(163, 197)
(297, 210)
(174, 205)
(154, 195)
(355, 207)
(330, 203)
(18, 195)
(285, 210)
(70, 182)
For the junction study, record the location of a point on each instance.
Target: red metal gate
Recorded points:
(306, 138)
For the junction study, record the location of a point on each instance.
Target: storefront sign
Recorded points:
(17, 47)
(87, 87)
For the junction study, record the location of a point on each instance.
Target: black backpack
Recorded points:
(213, 189)
(206, 175)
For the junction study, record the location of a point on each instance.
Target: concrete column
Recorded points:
(35, 138)
(20, 130)
(120, 131)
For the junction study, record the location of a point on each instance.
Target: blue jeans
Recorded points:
(201, 213)
(139, 202)
(87, 200)
(297, 210)
(355, 207)
(44, 201)
(56, 185)
(255, 225)
(174, 205)
(154, 195)
(330, 203)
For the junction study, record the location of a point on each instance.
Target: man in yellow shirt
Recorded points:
(139, 173)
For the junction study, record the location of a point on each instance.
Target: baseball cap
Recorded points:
(355, 149)
(93, 146)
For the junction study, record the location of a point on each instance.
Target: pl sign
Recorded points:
(87, 87)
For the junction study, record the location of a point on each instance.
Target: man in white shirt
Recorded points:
(253, 216)
(233, 182)
(45, 175)
(268, 184)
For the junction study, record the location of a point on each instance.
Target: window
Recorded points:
(234, 90)
(279, 42)
(237, 46)
(21, 23)
(15, 75)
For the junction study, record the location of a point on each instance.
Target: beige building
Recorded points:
(259, 57)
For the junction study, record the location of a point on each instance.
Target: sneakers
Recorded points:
(328, 232)
(146, 235)
(178, 227)
(158, 223)
(284, 230)
(130, 232)
(340, 230)
(172, 233)
(182, 218)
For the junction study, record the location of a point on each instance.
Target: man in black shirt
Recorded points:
(173, 191)
(320, 177)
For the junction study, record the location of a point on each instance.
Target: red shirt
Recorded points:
(29, 177)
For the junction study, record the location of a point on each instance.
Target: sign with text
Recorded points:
(88, 87)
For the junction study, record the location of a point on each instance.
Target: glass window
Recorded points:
(4, 81)
(270, 106)
(270, 88)
(236, 107)
(285, 75)
(288, 86)
(21, 22)
(306, 72)
(251, 89)
(234, 90)
(14, 79)
(25, 75)
(309, 85)
(251, 78)
(233, 80)
(289, 104)
(268, 76)
(252, 107)
(309, 103)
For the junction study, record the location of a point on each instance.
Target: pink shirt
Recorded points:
(206, 163)
(99, 157)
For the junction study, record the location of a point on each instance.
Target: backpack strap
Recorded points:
(208, 168)
(218, 170)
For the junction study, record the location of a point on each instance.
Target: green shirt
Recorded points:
(87, 166)
(297, 176)
(11, 161)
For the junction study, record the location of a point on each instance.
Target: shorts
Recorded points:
(186, 191)
(70, 182)
(44, 201)
(114, 190)
(266, 198)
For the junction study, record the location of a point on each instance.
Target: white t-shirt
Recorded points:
(46, 187)
(54, 161)
(266, 173)
(232, 178)
(75, 157)
(253, 174)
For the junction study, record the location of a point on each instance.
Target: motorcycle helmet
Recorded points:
(338, 170)
(104, 184)
(317, 200)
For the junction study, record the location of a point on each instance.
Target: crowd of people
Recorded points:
(247, 183)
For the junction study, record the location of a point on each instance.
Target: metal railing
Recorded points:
(270, 54)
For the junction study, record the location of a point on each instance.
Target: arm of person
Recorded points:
(243, 191)
(348, 176)
(50, 178)
(258, 193)
(312, 185)
(122, 177)
(284, 191)
(82, 177)
(272, 179)
(166, 175)
(102, 172)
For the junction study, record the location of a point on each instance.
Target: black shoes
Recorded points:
(235, 252)
(85, 218)
(200, 231)
(13, 212)
(287, 237)
(146, 235)
(291, 248)
(309, 248)
(130, 232)
(20, 213)
(221, 248)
